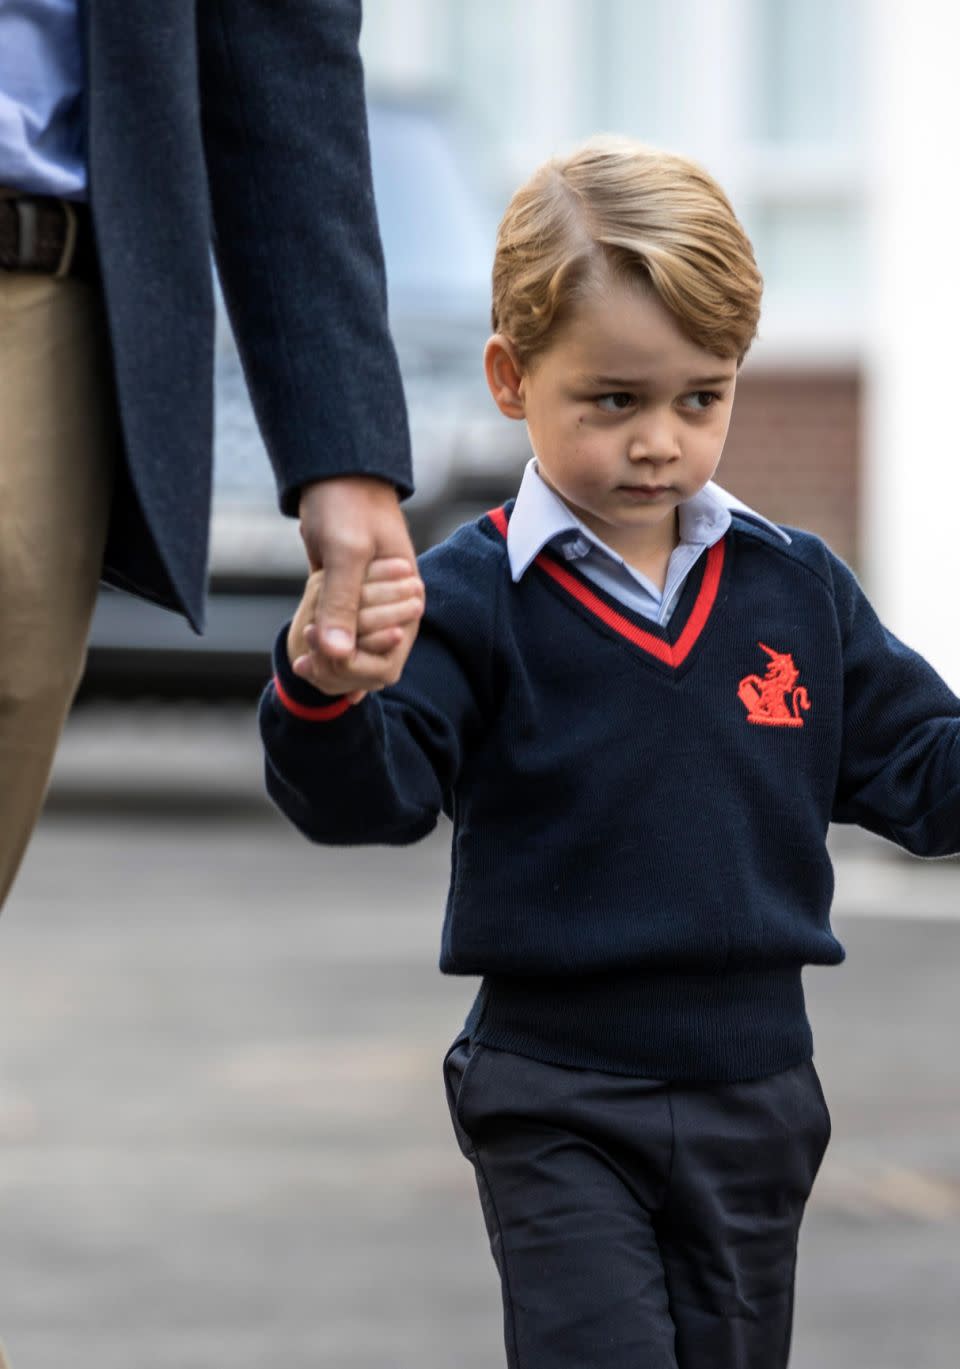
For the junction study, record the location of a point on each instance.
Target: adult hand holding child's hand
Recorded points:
(390, 608)
(347, 522)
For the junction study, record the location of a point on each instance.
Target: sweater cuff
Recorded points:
(298, 696)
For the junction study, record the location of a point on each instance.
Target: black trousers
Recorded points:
(638, 1224)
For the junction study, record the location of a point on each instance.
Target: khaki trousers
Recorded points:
(58, 444)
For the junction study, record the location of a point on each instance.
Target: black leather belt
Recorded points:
(45, 235)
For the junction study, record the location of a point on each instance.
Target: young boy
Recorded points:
(641, 704)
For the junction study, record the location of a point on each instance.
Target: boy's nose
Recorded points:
(654, 440)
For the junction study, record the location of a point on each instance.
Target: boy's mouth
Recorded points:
(644, 491)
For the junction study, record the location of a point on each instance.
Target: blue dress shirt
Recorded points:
(41, 98)
(540, 518)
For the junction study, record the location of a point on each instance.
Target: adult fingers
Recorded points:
(347, 522)
(345, 565)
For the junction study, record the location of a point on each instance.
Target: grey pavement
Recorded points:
(223, 1139)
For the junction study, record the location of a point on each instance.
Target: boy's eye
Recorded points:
(701, 400)
(615, 403)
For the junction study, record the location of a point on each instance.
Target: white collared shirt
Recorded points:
(541, 519)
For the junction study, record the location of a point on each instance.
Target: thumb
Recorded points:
(344, 572)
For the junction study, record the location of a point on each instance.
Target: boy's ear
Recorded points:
(504, 374)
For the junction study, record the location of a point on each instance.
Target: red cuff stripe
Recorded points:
(324, 713)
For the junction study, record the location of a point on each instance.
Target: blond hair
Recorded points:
(650, 216)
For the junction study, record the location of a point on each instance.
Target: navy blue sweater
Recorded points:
(639, 814)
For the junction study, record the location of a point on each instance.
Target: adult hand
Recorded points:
(346, 523)
(391, 605)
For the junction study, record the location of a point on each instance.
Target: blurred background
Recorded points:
(222, 1131)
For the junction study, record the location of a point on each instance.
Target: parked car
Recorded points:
(438, 241)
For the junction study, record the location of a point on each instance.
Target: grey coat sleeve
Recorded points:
(296, 236)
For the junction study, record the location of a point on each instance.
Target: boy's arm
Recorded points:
(382, 770)
(900, 764)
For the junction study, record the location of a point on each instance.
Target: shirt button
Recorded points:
(576, 547)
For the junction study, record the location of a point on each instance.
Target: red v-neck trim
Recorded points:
(498, 517)
(671, 653)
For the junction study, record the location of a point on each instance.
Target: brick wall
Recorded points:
(793, 451)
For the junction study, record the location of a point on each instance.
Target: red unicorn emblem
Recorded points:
(766, 700)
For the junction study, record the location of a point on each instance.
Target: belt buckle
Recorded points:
(69, 242)
(26, 212)
(27, 236)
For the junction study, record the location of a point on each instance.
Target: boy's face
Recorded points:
(627, 417)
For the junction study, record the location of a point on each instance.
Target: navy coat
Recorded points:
(241, 125)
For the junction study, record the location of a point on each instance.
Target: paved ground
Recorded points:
(223, 1141)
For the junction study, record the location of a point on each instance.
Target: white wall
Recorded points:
(765, 92)
(912, 477)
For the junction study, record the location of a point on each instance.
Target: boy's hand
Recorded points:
(391, 605)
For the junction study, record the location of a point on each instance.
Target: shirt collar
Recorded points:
(540, 517)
